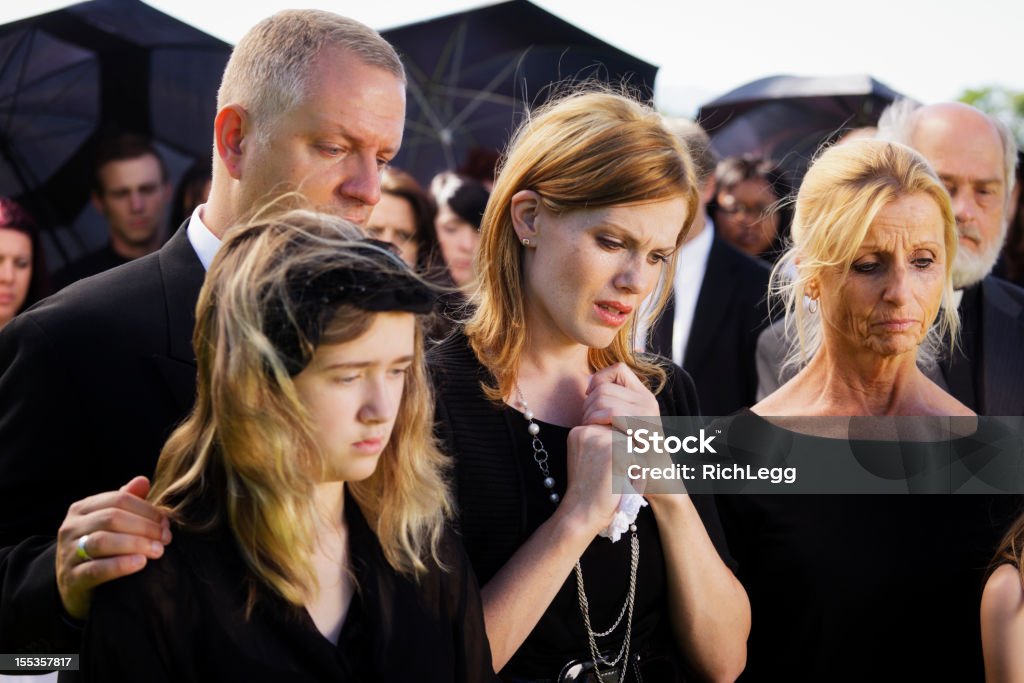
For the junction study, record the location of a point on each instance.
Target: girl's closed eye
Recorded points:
(346, 378)
(402, 371)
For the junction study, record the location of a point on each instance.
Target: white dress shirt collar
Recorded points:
(691, 266)
(202, 240)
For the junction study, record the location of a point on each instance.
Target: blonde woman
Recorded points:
(308, 495)
(594, 197)
(867, 587)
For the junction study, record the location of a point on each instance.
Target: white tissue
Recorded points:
(625, 515)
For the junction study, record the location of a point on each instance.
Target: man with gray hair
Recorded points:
(718, 305)
(975, 156)
(95, 378)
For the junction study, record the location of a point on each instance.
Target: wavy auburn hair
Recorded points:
(589, 149)
(247, 456)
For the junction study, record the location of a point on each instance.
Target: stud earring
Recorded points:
(526, 242)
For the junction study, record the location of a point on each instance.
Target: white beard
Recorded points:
(970, 267)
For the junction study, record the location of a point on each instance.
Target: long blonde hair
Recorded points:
(842, 193)
(585, 150)
(247, 455)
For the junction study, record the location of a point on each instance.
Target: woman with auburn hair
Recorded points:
(867, 587)
(746, 206)
(1002, 610)
(23, 278)
(308, 495)
(594, 198)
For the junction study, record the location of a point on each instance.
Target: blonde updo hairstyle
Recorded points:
(585, 150)
(842, 193)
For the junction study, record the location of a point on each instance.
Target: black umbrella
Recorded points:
(472, 75)
(69, 77)
(787, 118)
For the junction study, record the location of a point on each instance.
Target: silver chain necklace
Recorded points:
(540, 456)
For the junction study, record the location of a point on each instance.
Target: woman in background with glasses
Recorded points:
(745, 205)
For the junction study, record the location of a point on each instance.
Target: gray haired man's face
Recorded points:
(967, 153)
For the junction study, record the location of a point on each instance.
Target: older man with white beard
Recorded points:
(975, 156)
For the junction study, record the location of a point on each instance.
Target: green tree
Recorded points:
(1003, 103)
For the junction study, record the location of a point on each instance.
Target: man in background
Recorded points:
(131, 191)
(718, 306)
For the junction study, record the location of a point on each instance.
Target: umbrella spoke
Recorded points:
(466, 92)
(453, 74)
(492, 97)
(74, 126)
(481, 96)
(19, 80)
(55, 99)
(426, 108)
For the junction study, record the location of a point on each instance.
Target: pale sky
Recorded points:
(929, 51)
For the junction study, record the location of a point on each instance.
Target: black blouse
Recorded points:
(502, 502)
(863, 587)
(182, 619)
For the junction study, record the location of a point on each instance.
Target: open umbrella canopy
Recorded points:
(787, 118)
(472, 75)
(49, 106)
(69, 77)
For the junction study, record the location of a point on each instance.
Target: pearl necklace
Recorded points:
(540, 456)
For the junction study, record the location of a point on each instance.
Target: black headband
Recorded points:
(314, 297)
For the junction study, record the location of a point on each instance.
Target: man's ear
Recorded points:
(98, 204)
(525, 206)
(229, 130)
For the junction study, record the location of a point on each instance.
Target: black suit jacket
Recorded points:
(1002, 378)
(1000, 386)
(92, 381)
(731, 312)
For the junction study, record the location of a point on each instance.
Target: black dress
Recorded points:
(502, 501)
(864, 587)
(182, 619)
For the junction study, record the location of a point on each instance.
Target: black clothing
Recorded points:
(962, 368)
(92, 381)
(992, 382)
(502, 501)
(182, 619)
(731, 311)
(1000, 328)
(450, 308)
(98, 261)
(864, 587)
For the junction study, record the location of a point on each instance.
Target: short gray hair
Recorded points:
(269, 69)
(697, 143)
(899, 119)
